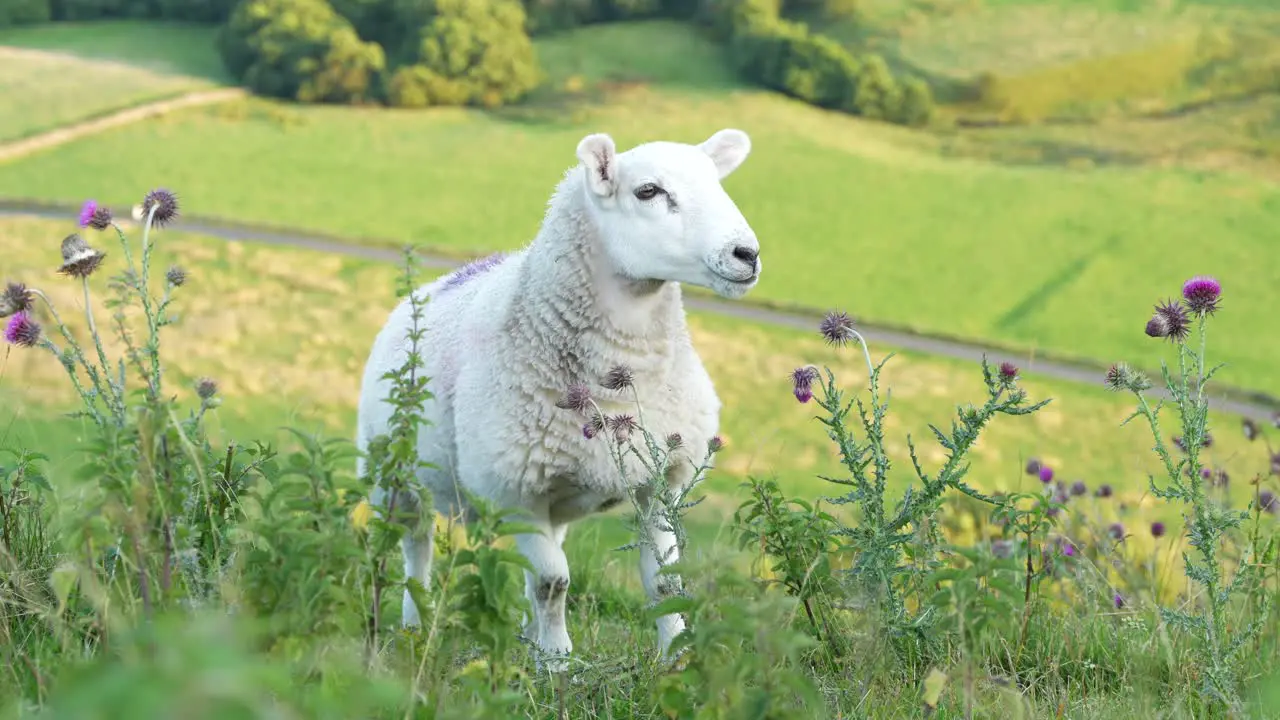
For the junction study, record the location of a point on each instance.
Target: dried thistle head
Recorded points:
(1170, 321)
(165, 204)
(22, 330)
(622, 426)
(16, 298)
(576, 398)
(176, 276)
(1202, 293)
(837, 328)
(619, 377)
(674, 441)
(94, 215)
(78, 259)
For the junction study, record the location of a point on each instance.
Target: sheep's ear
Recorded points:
(599, 156)
(727, 148)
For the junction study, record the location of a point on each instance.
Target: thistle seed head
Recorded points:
(837, 328)
(674, 441)
(1170, 321)
(622, 426)
(165, 204)
(176, 276)
(576, 398)
(16, 298)
(1202, 293)
(619, 377)
(78, 259)
(22, 330)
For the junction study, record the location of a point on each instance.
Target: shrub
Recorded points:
(543, 16)
(21, 12)
(201, 11)
(300, 50)
(472, 52)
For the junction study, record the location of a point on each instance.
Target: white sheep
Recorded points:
(504, 337)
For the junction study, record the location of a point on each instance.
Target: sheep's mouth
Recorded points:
(749, 280)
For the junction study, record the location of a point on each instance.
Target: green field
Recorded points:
(58, 74)
(288, 348)
(867, 217)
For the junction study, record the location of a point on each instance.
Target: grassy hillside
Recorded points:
(60, 73)
(286, 332)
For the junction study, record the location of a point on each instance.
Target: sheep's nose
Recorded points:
(746, 254)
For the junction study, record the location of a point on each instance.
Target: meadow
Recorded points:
(159, 559)
(897, 219)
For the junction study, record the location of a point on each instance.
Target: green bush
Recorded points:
(472, 52)
(300, 50)
(203, 11)
(543, 16)
(21, 12)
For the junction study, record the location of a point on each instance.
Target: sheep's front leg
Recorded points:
(418, 546)
(659, 586)
(547, 586)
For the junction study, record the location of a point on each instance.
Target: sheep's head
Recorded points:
(664, 216)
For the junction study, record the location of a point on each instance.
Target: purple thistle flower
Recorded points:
(1008, 372)
(674, 441)
(1201, 293)
(1033, 466)
(472, 269)
(1267, 502)
(715, 444)
(576, 398)
(1116, 531)
(1104, 491)
(1068, 548)
(622, 426)
(22, 330)
(1046, 474)
(206, 388)
(1170, 320)
(619, 377)
(1078, 488)
(165, 204)
(16, 298)
(837, 328)
(94, 215)
(593, 427)
(1157, 529)
(1118, 599)
(802, 382)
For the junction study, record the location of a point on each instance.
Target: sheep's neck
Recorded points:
(575, 309)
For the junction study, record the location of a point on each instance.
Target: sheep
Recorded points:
(599, 286)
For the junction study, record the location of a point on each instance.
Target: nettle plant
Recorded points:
(893, 549)
(1210, 522)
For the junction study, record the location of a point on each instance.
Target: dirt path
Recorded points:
(67, 133)
(1260, 409)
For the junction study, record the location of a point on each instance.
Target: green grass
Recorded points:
(285, 333)
(52, 75)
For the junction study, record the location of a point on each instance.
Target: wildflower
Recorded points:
(176, 276)
(1046, 474)
(361, 514)
(206, 388)
(1121, 376)
(1201, 293)
(1103, 491)
(1250, 429)
(837, 328)
(16, 298)
(593, 427)
(1068, 548)
(78, 259)
(1002, 549)
(95, 216)
(622, 426)
(1205, 473)
(1170, 320)
(715, 444)
(619, 377)
(22, 330)
(1267, 502)
(1116, 531)
(674, 441)
(576, 398)
(802, 382)
(165, 204)
(1118, 599)
(1008, 373)
(1078, 488)
(1033, 466)
(1157, 529)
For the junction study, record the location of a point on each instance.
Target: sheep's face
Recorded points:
(663, 215)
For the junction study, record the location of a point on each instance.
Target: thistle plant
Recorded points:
(892, 541)
(1184, 321)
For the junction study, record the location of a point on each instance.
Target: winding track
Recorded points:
(1260, 409)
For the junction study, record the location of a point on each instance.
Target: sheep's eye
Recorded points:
(648, 191)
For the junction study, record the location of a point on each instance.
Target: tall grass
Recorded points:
(179, 577)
